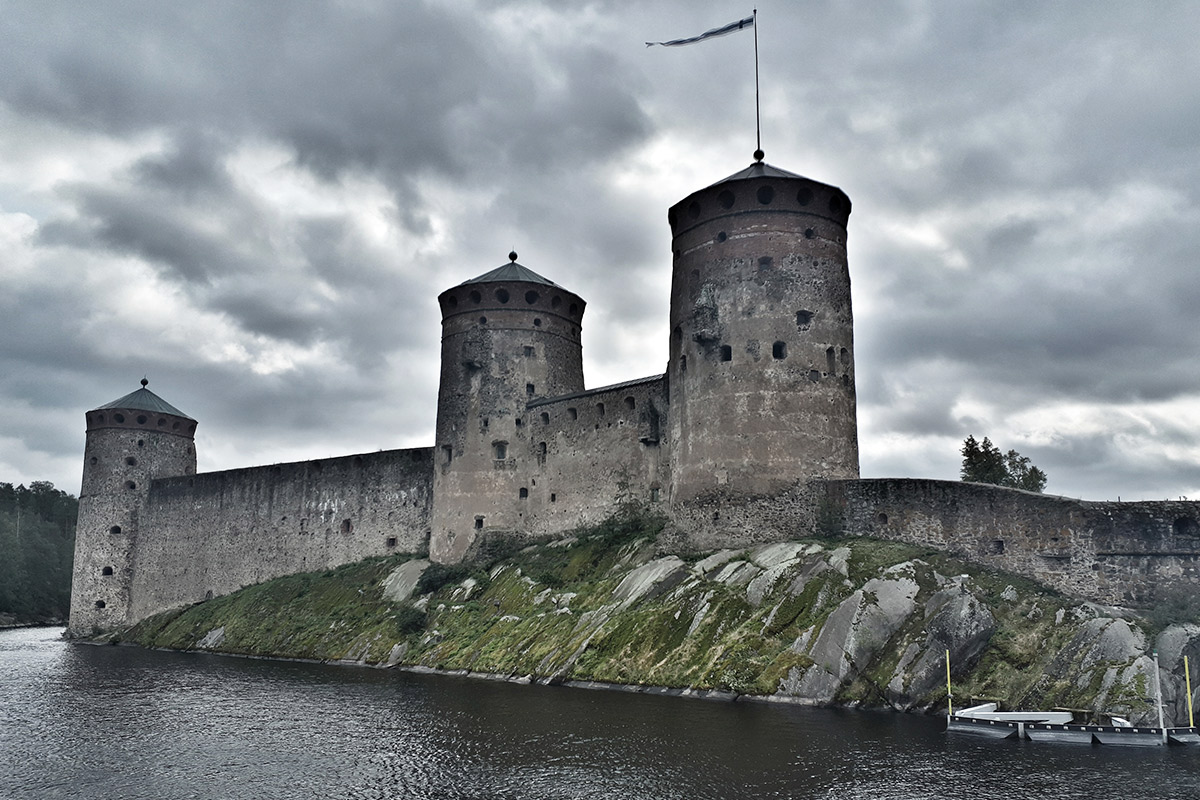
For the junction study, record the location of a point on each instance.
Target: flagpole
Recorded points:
(758, 151)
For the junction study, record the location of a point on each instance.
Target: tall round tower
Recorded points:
(508, 337)
(130, 442)
(761, 373)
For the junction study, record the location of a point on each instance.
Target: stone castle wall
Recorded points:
(591, 451)
(213, 533)
(1124, 553)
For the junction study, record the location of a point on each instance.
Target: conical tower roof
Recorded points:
(758, 169)
(512, 272)
(144, 400)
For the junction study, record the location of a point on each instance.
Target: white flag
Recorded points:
(732, 27)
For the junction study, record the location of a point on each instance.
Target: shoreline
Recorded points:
(713, 695)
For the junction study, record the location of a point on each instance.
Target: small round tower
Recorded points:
(761, 371)
(130, 442)
(508, 337)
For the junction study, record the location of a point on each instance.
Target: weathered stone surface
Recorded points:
(649, 580)
(398, 586)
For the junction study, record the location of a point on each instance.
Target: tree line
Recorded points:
(984, 463)
(37, 549)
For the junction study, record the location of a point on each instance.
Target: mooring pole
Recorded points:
(949, 695)
(1187, 676)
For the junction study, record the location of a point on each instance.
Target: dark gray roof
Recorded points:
(144, 400)
(598, 390)
(511, 272)
(759, 169)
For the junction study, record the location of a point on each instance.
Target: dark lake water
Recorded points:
(117, 722)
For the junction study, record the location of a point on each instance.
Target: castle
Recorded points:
(749, 436)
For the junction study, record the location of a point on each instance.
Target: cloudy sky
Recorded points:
(255, 205)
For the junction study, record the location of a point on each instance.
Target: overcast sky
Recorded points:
(255, 205)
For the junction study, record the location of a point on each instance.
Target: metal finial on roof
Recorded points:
(512, 256)
(758, 155)
(145, 382)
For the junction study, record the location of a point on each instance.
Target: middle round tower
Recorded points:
(761, 371)
(508, 337)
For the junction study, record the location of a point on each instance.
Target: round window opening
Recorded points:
(765, 195)
(804, 196)
(726, 199)
(483, 320)
(722, 236)
(531, 297)
(537, 322)
(141, 420)
(502, 295)
(452, 301)
(476, 298)
(694, 210)
(119, 417)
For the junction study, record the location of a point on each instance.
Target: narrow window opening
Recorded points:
(830, 361)
(541, 452)
(573, 413)
(479, 523)
(553, 497)
(726, 353)
(683, 363)
(529, 389)
(391, 541)
(100, 604)
(630, 403)
(779, 350)
(998, 547)
(803, 319)
(106, 571)
(115, 529)
(519, 422)
(654, 494)
(500, 450)
(600, 409)
(347, 526)
(881, 519)
(447, 453)
(545, 418)
(528, 351)
(523, 493)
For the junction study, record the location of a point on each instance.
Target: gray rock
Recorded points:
(398, 586)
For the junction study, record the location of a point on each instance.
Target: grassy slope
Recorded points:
(511, 622)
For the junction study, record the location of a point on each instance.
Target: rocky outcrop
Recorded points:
(857, 621)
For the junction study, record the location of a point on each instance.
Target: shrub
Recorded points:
(436, 576)
(410, 620)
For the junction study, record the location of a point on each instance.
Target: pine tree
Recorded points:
(984, 463)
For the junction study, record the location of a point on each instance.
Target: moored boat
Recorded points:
(1059, 726)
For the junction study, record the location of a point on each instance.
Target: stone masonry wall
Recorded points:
(592, 450)
(213, 533)
(1125, 553)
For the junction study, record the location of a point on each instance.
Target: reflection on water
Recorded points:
(117, 722)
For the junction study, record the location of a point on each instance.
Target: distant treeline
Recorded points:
(37, 547)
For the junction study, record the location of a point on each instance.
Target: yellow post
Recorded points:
(950, 697)
(1187, 674)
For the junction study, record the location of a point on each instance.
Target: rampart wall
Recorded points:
(213, 533)
(1111, 552)
(590, 451)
